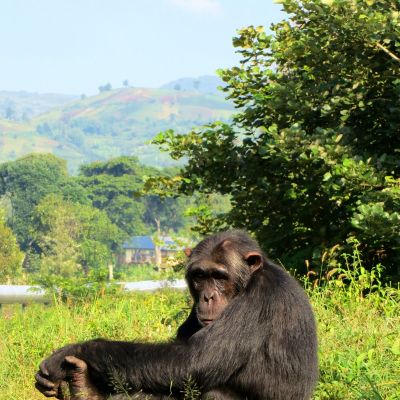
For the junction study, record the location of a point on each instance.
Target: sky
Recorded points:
(74, 46)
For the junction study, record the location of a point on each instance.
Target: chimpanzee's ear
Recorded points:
(188, 252)
(254, 260)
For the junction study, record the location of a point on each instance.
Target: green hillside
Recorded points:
(113, 123)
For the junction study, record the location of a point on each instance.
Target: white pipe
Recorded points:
(22, 294)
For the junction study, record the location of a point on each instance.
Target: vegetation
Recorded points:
(309, 164)
(116, 186)
(311, 158)
(72, 237)
(358, 324)
(25, 182)
(10, 255)
(71, 228)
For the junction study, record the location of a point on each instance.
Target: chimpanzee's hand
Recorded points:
(52, 372)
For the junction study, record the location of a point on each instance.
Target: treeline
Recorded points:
(62, 225)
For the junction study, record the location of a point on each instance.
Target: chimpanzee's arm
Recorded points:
(210, 357)
(128, 366)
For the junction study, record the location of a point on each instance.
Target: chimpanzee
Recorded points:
(250, 335)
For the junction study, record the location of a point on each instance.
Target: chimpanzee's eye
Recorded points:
(220, 275)
(198, 275)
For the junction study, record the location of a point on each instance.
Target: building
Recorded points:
(143, 250)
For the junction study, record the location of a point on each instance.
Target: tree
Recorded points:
(164, 213)
(10, 112)
(30, 178)
(311, 158)
(72, 238)
(100, 237)
(25, 182)
(10, 255)
(105, 88)
(56, 231)
(116, 186)
(113, 186)
(126, 83)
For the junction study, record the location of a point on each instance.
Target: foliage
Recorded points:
(311, 158)
(78, 289)
(56, 231)
(105, 88)
(204, 212)
(117, 187)
(72, 238)
(207, 212)
(112, 187)
(69, 225)
(11, 256)
(26, 181)
(165, 213)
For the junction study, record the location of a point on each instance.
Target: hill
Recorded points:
(22, 106)
(207, 84)
(115, 122)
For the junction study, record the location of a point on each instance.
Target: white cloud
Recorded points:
(198, 6)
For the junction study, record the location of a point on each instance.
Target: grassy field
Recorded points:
(359, 335)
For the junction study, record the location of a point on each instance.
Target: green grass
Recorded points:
(358, 327)
(359, 341)
(29, 335)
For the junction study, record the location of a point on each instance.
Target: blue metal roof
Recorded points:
(146, 243)
(139, 242)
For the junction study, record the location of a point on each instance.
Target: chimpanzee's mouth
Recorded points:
(206, 322)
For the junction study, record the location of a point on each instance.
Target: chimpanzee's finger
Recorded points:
(44, 382)
(43, 368)
(45, 390)
(76, 363)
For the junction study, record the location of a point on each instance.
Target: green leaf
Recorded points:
(327, 176)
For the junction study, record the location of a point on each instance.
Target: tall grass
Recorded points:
(359, 333)
(358, 326)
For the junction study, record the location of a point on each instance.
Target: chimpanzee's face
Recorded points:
(216, 273)
(211, 287)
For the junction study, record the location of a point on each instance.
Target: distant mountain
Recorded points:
(22, 106)
(115, 122)
(207, 84)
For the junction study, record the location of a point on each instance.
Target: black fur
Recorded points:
(263, 345)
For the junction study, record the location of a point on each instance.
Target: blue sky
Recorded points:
(73, 46)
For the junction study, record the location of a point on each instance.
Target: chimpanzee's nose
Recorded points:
(208, 296)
